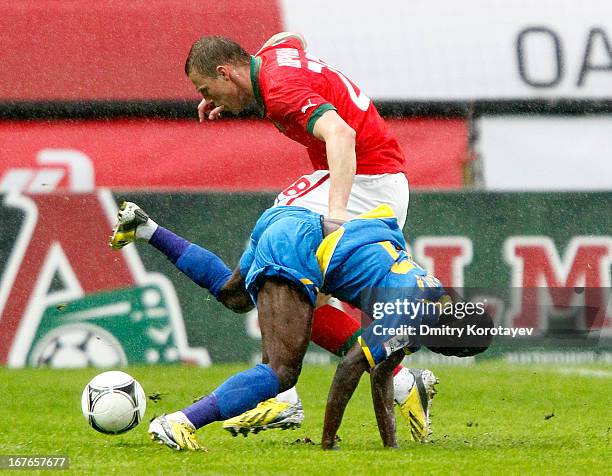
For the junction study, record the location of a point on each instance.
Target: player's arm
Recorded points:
(339, 140)
(349, 372)
(281, 36)
(381, 381)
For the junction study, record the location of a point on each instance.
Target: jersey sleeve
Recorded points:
(289, 41)
(294, 100)
(247, 258)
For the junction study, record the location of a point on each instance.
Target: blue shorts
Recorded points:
(283, 245)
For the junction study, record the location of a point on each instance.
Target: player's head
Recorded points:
(216, 65)
(474, 337)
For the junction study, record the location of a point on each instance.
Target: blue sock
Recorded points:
(203, 412)
(236, 395)
(169, 243)
(245, 390)
(203, 267)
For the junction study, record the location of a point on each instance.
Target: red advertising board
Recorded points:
(228, 155)
(123, 50)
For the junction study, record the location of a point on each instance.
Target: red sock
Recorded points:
(334, 330)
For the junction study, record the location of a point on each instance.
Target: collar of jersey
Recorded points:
(255, 67)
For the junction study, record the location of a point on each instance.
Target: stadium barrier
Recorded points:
(66, 299)
(239, 155)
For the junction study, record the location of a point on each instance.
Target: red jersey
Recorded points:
(295, 89)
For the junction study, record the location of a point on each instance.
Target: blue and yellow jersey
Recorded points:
(370, 252)
(364, 262)
(366, 252)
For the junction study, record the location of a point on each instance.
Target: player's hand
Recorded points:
(330, 225)
(208, 110)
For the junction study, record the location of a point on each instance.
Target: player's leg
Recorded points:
(275, 413)
(285, 316)
(285, 410)
(202, 266)
(335, 331)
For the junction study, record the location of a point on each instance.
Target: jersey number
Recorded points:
(296, 187)
(317, 65)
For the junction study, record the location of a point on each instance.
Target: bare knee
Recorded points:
(379, 375)
(287, 375)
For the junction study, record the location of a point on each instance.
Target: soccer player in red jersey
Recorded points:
(357, 164)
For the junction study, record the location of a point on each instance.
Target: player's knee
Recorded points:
(287, 375)
(237, 303)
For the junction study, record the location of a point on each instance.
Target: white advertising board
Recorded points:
(448, 50)
(546, 153)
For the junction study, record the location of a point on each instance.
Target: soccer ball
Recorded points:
(113, 402)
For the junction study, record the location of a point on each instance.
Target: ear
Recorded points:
(223, 71)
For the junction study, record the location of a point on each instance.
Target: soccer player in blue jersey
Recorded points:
(294, 254)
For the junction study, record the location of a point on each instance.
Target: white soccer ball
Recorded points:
(113, 402)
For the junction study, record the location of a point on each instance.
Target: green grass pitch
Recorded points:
(487, 418)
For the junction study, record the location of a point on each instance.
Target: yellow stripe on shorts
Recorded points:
(366, 352)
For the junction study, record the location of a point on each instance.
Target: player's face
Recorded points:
(220, 91)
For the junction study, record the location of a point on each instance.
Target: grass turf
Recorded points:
(490, 417)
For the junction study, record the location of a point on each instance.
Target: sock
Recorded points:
(236, 395)
(146, 230)
(403, 381)
(203, 412)
(246, 389)
(168, 243)
(203, 267)
(334, 330)
(289, 396)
